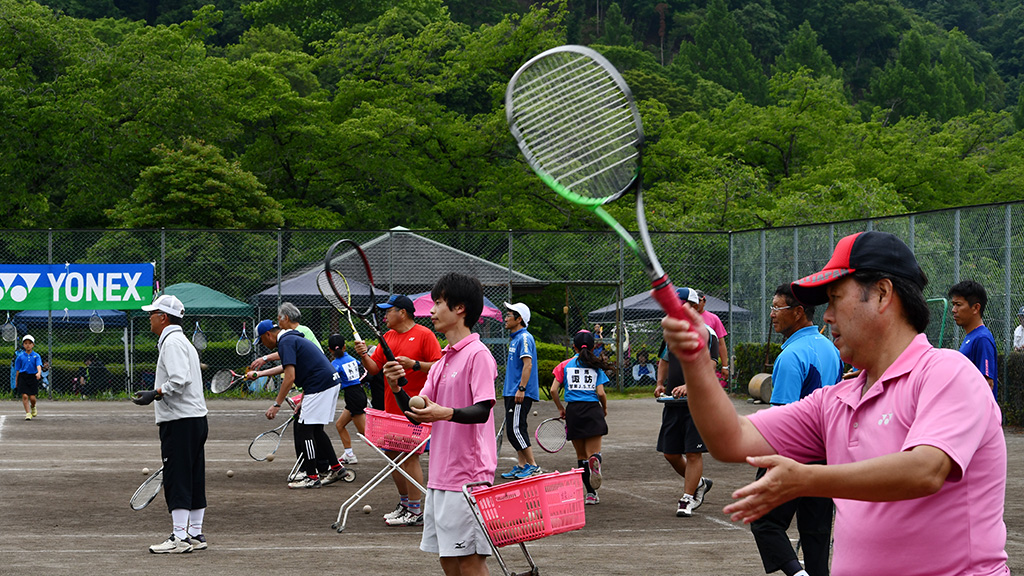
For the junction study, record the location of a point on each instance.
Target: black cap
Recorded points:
(335, 341)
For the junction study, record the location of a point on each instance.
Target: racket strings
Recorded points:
(220, 381)
(551, 434)
(264, 444)
(578, 125)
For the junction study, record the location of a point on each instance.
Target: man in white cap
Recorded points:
(29, 367)
(521, 388)
(181, 416)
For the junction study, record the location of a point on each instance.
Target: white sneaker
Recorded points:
(685, 509)
(595, 471)
(703, 488)
(332, 476)
(398, 511)
(198, 542)
(349, 459)
(406, 519)
(172, 546)
(306, 482)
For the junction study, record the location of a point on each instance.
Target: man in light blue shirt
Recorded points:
(807, 362)
(521, 389)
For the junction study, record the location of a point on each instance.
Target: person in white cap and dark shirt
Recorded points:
(29, 369)
(521, 388)
(181, 415)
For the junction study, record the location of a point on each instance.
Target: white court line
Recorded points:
(710, 518)
(2, 420)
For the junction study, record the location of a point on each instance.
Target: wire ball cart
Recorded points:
(386, 431)
(529, 509)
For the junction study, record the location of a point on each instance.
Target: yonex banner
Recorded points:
(75, 286)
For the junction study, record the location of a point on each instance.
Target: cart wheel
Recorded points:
(350, 476)
(340, 528)
(334, 526)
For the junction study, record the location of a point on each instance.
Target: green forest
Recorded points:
(367, 114)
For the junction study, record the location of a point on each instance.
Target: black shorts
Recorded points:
(27, 384)
(678, 433)
(584, 420)
(355, 400)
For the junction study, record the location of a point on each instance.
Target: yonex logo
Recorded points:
(17, 286)
(885, 419)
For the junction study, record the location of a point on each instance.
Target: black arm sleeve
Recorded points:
(475, 414)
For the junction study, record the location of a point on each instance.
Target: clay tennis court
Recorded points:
(66, 478)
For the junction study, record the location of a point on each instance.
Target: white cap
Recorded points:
(167, 303)
(522, 309)
(29, 337)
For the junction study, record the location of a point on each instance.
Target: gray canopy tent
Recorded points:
(642, 307)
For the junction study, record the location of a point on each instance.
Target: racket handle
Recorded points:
(665, 294)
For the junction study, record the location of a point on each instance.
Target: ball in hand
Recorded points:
(417, 402)
(231, 473)
(367, 509)
(270, 457)
(145, 471)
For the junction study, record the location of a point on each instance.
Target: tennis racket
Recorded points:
(244, 345)
(669, 399)
(324, 286)
(223, 380)
(10, 333)
(340, 298)
(95, 323)
(148, 490)
(199, 338)
(550, 435)
(267, 443)
(576, 122)
(500, 436)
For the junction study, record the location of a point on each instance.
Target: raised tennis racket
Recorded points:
(199, 338)
(550, 435)
(223, 380)
(244, 345)
(324, 285)
(267, 443)
(148, 490)
(95, 323)
(576, 122)
(342, 298)
(10, 333)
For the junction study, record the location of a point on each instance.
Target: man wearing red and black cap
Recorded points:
(912, 442)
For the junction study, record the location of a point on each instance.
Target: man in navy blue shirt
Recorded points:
(967, 300)
(306, 367)
(807, 362)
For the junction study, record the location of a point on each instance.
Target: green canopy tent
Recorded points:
(201, 302)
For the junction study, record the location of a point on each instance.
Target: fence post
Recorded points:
(280, 250)
(956, 246)
(49, 317)
(796, 253)
(163, 257)
(620, 315)
(1008, 295)
(764, 278)
(509, 268)
(911, 233)
(732, 297)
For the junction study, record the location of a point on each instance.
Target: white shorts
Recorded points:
(319, 407)
(449, 528)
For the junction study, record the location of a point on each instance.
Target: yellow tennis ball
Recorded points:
(367, 509)
(145, 471)
(417, 402)
(270, 457)
(231, 473)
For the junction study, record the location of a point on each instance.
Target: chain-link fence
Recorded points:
(571, 281)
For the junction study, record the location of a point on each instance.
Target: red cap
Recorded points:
(878, 251)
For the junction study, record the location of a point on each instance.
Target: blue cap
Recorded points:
(687, 295)
(399, 301)
(264, 326)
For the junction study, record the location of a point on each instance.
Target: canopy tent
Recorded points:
(302, 291)
(32, 319)
(423, 303)
(642, 307)
(200, 300)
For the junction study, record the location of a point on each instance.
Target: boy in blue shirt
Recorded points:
(521, 389)
(29, 368)
(355, 397)
(967, 300)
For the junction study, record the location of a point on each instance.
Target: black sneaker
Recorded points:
(198, 542)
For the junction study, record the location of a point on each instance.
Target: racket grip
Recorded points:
(665, 294)
(402, 382)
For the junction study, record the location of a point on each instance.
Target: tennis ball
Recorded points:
(231, 473)
(534, 412)
(367, 509)
(270, 457)
(417, 402)
(145, 471)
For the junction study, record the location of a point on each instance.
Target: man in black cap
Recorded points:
(913, 442)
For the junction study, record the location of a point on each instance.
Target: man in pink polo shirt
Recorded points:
(462, 438)
(916, 455)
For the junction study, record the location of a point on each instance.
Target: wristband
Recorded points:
(276, 405)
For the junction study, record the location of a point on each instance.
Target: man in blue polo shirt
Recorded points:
(306, 367)
(521, 388)
(967, 300)
(807, 362)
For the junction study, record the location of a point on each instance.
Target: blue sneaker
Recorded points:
(513, 472)
(527, 471)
